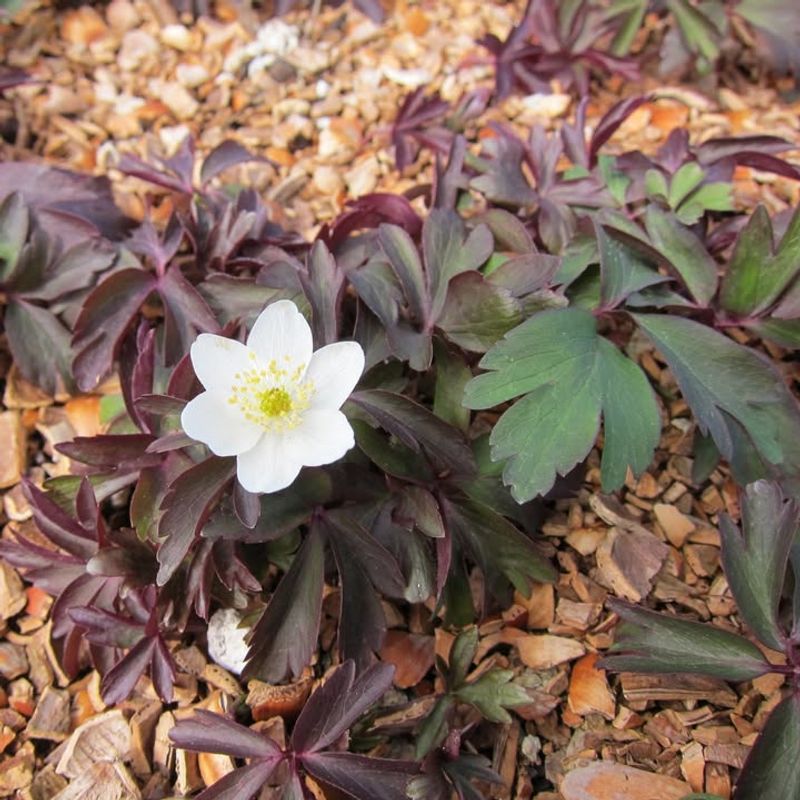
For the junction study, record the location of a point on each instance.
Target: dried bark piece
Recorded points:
(46, 784)
(540, 605)
(267, 700)
(642, 688)
(51, 718)
(20, 393)
(627, 562)
(214, 767)
(163, 751)
(13, 661)
(606, 780)
(732, 754)
(543, 651)
(693, 765)
(12, 449)
(589, 692)
(12, 593)
(412, 655)
(17, 772)
(102, 781)
(675, 524)
(105, 737)
(506, 746)
(143, 726)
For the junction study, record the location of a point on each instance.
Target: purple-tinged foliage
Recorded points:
(416, 124)
(85, 564)
(313, 746)
(555, 41)
(135, 629)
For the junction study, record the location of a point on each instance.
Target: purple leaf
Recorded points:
(186, 314)
(187, 505)
(108, 629)
(206, 732)
(224, 156)
(337, 704)
(610, 122)
(323, 284)
(104, 320)
(370, 211)
(119, 682)
(162, 671)
(414, 123)
(361, 777)
(110, 450)
(241, 784)
(39, 343)
(285, 637)
(67, 202)
(58, 526)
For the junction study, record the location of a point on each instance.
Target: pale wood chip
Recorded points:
(12, 593)
(628, 560)
(105, 737)
(606, 780)
(51, 718)
(102, 781)
(589, 692)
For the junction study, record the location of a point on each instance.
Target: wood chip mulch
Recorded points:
(315, 95)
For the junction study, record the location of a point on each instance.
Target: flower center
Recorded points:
(275, 402)
(274, 396)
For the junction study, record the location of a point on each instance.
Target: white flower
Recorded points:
(273, 403)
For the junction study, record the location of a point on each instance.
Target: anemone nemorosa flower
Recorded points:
(273, 403)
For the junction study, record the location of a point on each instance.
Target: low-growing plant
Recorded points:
(762, 566)
(317, 746)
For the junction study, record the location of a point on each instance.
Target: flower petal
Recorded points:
(210, 420)
(281, 331)
(334, 371)
(324, 436)
(216, 360)
(269, 466)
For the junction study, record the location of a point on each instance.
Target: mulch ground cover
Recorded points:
(317, 100)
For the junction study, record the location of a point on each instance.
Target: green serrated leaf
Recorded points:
(434, 727)
(650, 642)
(452, 375)
(493, 693)
(557, 360)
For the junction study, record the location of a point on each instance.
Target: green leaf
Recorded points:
(631, 420)
(390, 455)
(622, 270)
(557, 360)
(15, 223)
(452, 375)
(493, 693)
(477, 313)
(462, 654)
(755, 559)
(632, 12)
(699, 33)
(683, 182)
(772, 770)
(685, 253)
(285, 637)
(434, 727)
(785, 332)
(757, 274)
(417, 428)
(649, 642)
(503, 553)
(420, 506)
(726, 385)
